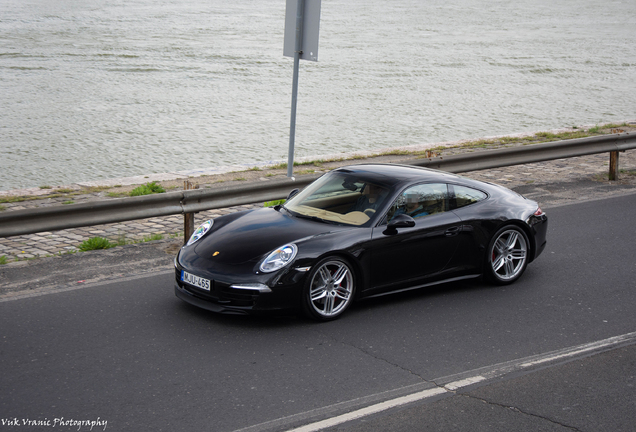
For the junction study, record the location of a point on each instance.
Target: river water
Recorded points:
(100, 89)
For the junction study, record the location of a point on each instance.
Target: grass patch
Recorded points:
(548, 136)
(274, 203)
(152, 237)
(64, 190)
(316, 162)
(615, 125)
(123, 241)
(46, 187)
(68, 202)
(433, 150)
(3, 259)
(14, 199)
(396, 152)
(282, 165)
(116, 194)
(96, 189)
(95, 243)
(2, 208)
(147, 189)
(517, 140)
(482, 143)
(240, 179)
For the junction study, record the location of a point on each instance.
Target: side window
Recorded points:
(465, 196)
(421, 200)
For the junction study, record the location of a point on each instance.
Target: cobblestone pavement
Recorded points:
(67, 241)
(535, 181)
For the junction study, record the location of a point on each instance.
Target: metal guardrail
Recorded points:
(530, 153)
(29, 221)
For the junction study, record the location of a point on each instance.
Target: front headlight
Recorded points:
(200, 232)
(279, 258)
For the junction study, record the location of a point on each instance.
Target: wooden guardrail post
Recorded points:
(188, 218)
(613, 166)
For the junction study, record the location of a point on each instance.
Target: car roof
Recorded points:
(398, 176)
(391, 174)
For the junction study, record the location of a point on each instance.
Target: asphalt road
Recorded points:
(129, 353)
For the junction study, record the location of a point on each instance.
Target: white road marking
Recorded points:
(578, 350)
(370, 410)
(463, 383)
(453, 383)
(389, 404)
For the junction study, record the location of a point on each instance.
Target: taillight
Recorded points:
(539, 212)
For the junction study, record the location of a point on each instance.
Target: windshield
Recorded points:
(339, 197)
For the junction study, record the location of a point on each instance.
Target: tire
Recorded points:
(507, 256)
(329, 290)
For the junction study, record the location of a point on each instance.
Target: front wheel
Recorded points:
(329, 290)
(507, 255)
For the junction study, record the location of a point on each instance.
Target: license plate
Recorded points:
(197, 281)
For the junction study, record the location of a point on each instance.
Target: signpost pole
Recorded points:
(297, 52)
(302, 24)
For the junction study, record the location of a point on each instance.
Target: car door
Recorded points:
(410, 256)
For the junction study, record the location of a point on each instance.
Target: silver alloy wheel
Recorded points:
(508, 255)
(331, 288)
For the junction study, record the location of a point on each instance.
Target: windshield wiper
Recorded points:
(316, 219)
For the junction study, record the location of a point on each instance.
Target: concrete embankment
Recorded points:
(549, 183)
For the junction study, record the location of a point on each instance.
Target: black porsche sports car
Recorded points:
(356, 232)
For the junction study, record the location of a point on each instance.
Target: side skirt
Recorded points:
(455, 279)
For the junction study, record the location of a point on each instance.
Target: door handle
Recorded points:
(452, 231)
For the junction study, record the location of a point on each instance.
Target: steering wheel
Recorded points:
(369, 212)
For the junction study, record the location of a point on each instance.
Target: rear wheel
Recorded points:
(507, 255)
(329, 290)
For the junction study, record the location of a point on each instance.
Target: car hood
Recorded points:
(242, 240)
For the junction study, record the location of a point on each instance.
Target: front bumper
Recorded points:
(283, 297)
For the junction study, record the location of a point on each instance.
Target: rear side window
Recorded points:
(465, 196)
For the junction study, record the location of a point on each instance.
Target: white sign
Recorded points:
(310, 29)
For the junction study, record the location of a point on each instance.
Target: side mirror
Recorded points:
(292, 193)
(402, 221)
